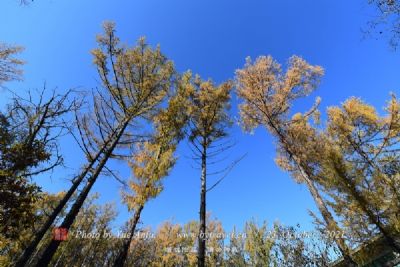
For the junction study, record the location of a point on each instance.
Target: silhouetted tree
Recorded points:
(29, 135)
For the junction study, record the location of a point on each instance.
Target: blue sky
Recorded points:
(211, 38)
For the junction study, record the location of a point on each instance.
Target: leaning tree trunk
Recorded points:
(30, 249)
(202, 230)
(329, 220)
(323, 209)
(73, 212)
(123, 255)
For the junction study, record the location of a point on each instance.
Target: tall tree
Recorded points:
(208, 124)
(135, 82)
(152, 161)
(140, 80)
(268, 95)
(361, 163)
(354, 161)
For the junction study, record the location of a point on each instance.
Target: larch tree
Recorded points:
(362, 163)
(268, 95)
(150, 164)
(153, 159)
(355, 161)
(135, 82)
(208, 124)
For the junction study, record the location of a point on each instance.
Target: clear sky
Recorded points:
(211, 38)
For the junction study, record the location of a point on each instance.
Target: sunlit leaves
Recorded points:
(268, 93)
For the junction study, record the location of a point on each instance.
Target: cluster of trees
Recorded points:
(349, 163)
(92, 242)
(144, 108)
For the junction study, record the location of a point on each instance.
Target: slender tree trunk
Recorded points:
(73, 212)
(329, 220)
(202, 230)
(123, 255)
(30, 249)
(323, 209)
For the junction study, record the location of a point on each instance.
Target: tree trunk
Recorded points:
(123, 255)
(73, 212)
(202, 230)
(30, 249)
(326, 214)
(329, 220)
